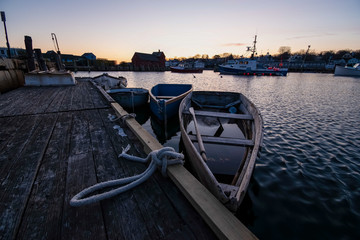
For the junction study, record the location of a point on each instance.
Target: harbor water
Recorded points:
(306, 183)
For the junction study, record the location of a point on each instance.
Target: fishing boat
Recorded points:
(130, 97)
(165, 99)
(251, 66)
(107, 81)
(186, 67)
(222, 133)
(347, 70)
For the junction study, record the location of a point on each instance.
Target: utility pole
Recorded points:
(3, 18)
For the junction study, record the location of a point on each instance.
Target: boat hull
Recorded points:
(230, 193)
(249, 72)
(344, 71)
(107, 81)
(165, 99)
(50, 78)
(130, 97)
(186, 70)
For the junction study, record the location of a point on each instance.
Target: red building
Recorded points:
(149, 62)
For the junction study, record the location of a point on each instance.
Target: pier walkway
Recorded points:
(56, 141)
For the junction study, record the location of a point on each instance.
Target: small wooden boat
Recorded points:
(165, 99)
(222, 134)
(107, 81)
(130, 97)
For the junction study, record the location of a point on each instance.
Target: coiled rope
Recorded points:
(162, 158)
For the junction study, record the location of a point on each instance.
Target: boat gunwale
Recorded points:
(174, 98)
(127, 90)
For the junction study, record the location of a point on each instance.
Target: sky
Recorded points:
(116, 29)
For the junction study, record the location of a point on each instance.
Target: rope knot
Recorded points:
(166, 156)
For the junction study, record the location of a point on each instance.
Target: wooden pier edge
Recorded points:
(224, 223)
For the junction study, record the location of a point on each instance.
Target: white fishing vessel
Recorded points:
(251, 66)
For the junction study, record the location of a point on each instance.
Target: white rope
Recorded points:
(123, 117)
(162, 158)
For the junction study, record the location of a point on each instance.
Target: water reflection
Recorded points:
(142, 113)
(164, 130)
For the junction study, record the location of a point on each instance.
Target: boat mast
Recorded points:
(252, 49)
(307, 51)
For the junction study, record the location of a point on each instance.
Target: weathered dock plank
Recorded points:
(42, 218)
(18, 177)
(83, 222)
(56, 102)
(8, 128)
(108, 168)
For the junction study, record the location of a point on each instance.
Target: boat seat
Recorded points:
(164, 97)
(221, 115)
(227, 141)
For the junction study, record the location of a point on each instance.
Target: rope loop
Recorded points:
(126, 116)
(159, 158)
(113, 118)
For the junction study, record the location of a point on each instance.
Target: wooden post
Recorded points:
(40, 59)
(29, 53)
(3, 18)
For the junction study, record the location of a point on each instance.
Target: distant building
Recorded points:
(295, 58)
(353, 61)
(15, 52)
(89, 56)
(172, 63)
(149, 62)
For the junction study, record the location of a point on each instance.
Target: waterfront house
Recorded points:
(172, 63)
(89, 56)
(149, 62)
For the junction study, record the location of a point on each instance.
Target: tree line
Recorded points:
(285, 53)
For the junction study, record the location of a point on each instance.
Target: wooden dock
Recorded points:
(56, 141)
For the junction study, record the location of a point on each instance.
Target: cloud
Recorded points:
(312, 36)
(233, 44)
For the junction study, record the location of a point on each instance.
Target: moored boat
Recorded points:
(165, 99)
(130, 97)
(347, 70)
(196, 67)
(251, 66)
(107, 81)
(222, 134)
